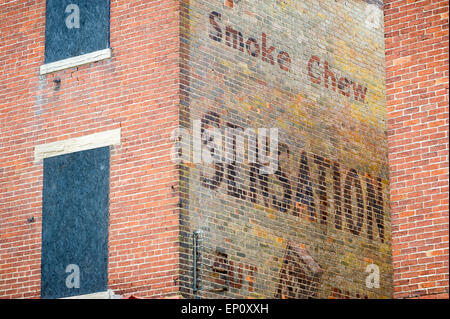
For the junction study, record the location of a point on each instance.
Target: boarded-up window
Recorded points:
(75, 223)
(75, 27)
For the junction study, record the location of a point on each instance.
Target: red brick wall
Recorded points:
(136, 90)
(417, 98)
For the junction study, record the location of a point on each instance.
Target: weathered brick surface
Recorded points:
(417, 102)
(315, 71)
(136, 90)
(312, 69)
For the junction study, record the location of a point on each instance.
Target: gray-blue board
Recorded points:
(75, 27)
(75, 212)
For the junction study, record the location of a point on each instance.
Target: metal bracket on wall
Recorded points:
(196, 258)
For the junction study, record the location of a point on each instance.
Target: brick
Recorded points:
(345, 129)
(430, 58)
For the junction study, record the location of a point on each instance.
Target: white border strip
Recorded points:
(109, 294)
(77, 144)
(75, 61)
